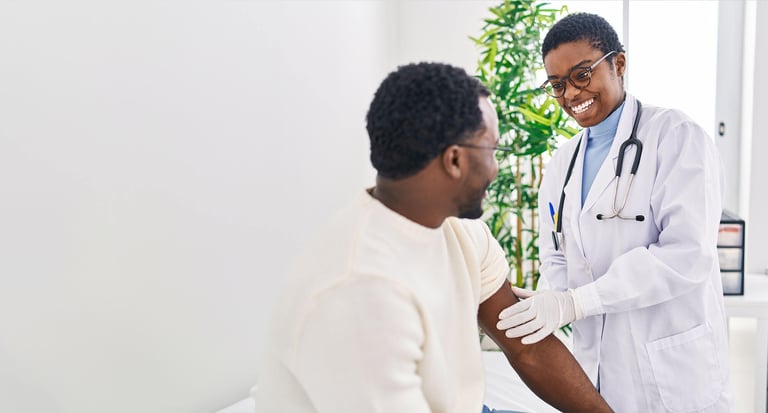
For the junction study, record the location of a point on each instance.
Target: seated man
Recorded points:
(382, 315)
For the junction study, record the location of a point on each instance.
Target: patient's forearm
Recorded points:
(554, 375)
(547, 367)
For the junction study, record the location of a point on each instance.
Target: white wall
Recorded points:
(728, 104)
(160, 162)
(672, 56)
(433, 30)
(755, 188)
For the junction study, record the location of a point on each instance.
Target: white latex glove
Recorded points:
(538, 314)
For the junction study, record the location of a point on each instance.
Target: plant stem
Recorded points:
(519, 226)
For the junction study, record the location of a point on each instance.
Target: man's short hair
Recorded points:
(583, 26)
(419, 110)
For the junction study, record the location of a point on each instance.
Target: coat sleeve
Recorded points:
(359, 349)
(686, 202)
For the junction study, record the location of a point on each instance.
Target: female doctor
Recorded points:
(633, 204)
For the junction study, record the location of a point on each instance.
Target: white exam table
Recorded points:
(503, 390)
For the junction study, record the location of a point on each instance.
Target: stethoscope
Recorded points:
(631, 140)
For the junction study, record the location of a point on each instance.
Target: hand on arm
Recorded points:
(539, 314)
(547, 367)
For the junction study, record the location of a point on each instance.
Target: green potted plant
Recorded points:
(530, 122)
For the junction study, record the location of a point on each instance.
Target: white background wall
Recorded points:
(754, 188)
(161, 162)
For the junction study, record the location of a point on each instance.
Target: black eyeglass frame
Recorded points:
(583, 71)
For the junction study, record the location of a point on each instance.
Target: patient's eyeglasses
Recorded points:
(494, 148)
(579, 77)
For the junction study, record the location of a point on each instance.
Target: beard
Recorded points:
(472, 213)
(473, 209)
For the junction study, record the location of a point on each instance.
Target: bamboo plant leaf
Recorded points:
(530, 122)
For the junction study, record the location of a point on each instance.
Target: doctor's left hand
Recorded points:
(538, 314)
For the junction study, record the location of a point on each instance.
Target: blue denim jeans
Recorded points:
(488, 410)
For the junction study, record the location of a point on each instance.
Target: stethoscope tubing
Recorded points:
(630, 141)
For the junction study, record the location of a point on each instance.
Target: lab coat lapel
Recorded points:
(572, 207)
(607, 172)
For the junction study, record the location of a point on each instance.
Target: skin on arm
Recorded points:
(547, 367)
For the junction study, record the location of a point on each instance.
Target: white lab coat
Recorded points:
(655, 332)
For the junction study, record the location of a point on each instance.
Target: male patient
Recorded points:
(383, 313)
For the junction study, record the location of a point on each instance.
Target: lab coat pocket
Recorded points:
(686, 369)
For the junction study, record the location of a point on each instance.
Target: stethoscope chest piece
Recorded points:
(617, 209)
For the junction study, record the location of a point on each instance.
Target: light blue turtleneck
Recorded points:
(599, 140)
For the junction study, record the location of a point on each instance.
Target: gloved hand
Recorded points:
(538, 314)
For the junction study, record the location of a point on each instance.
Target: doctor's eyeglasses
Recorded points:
(579, 77)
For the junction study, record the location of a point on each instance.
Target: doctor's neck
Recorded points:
(608, 126)
(619, 104)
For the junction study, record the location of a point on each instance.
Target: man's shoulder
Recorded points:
(475, 232)
(475, 228)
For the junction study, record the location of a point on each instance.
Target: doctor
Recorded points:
(632, 259)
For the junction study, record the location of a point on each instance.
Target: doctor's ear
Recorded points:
(620, 63)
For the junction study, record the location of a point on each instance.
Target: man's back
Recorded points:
(382, 315)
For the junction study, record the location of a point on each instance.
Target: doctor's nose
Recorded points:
(571, 92)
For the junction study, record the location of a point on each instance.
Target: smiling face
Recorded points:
(605, 92)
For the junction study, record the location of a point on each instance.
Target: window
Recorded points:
(671, 51)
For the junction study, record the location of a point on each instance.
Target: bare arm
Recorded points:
(547, 367)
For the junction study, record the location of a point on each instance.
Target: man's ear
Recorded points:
(452, 160)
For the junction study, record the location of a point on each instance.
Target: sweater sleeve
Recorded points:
(494, 267)
(358, 349)
(483, 254)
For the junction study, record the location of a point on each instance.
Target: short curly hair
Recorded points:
(419, 110)
(583, 26)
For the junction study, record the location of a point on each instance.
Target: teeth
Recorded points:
(582, 107)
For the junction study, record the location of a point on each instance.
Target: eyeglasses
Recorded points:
(494, 148)
(579, 77)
